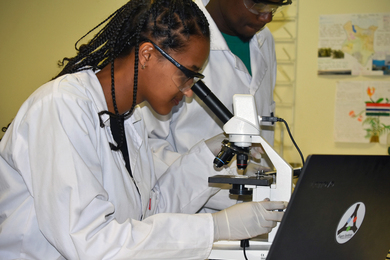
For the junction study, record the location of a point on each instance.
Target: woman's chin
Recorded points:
(163, 111)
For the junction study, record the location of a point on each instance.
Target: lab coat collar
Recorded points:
(99, 99)
(260, 38)
(218, 42)
(134, 118)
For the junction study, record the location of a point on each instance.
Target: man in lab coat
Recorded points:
(249, 68)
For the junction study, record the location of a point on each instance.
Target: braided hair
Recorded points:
(169, 23)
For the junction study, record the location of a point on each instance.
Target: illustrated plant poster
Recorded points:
(354, 44)
(362, 112)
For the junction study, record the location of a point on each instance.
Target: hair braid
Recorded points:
(169, 23)
(119, 118)
(182, 18)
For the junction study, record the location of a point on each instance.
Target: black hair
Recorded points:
(169, 23)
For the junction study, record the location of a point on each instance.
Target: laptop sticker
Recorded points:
(350, 222)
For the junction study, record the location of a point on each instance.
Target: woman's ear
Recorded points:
(145, 53)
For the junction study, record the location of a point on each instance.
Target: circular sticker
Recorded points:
(350, 222)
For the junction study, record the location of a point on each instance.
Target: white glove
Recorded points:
(246, 220)
(215, 143)
(253, 168)
(256, 151)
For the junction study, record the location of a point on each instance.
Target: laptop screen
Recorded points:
(340, 209)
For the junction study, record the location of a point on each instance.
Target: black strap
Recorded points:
(116, 132)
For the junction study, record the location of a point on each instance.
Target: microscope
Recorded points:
(243, 129)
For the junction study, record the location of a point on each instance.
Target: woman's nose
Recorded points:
(188, 92)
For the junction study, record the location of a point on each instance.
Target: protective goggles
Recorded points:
(259, 7)
(183, 78)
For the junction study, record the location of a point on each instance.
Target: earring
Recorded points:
(143, 66)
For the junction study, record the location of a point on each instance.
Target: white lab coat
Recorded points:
(192, 121)
(64, 194)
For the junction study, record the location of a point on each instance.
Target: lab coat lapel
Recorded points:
(139, 156)
(258, 65)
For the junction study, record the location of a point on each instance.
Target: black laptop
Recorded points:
(340, 209)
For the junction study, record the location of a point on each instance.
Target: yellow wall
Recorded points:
(36, 34)
(315, 95)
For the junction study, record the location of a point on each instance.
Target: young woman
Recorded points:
(76, 173)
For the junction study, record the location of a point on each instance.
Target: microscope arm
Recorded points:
(244, 130)
(282, 189)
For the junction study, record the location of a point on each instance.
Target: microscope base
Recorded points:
(232, 250)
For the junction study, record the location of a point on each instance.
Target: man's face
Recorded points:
(265, 6)
(239, 21)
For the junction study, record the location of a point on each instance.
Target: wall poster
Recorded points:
(354, 44)
(362, 112)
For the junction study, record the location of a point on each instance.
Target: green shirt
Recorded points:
(240, 49)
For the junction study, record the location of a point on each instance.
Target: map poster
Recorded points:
(362, 112)
(354, 44)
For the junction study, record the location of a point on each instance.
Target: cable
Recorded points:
(243, 249)
(278, 119)
(244, 244)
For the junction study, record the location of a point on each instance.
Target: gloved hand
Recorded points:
(256, 151)
(246, 220)
(215, 143)
(254, 167)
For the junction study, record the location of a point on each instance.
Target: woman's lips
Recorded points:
(175, 101)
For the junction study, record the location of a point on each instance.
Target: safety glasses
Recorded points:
(183, 78)
(259, 7)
